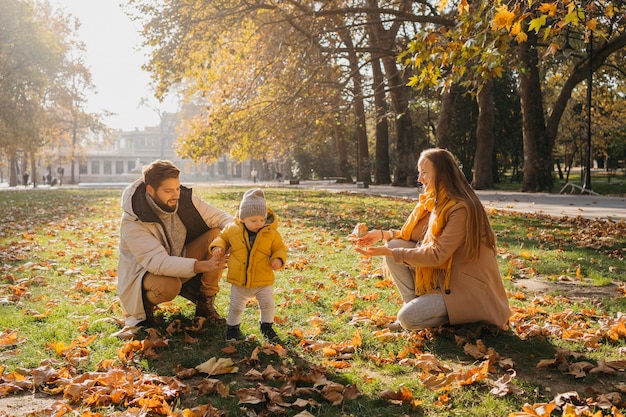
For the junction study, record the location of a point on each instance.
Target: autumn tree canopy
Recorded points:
(267, 80)
(43, 81)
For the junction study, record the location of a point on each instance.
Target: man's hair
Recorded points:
(159, 170)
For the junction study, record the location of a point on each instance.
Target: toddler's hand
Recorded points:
(276, 264)
(218, 252)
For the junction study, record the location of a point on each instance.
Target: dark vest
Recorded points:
(188, 213)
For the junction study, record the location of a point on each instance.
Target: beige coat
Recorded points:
(476, 293)
(144, 246)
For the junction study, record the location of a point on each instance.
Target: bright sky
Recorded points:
(112, 55)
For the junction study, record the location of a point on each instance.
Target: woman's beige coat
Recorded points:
(476, 292)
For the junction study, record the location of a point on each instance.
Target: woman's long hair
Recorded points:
(448, 176)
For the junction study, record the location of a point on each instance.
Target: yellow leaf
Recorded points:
(578, 274)
(463, 7)
(503, 18)
(609, 11)
(549, 8)
(219, 366)
(592, 24)
(537, 23)
(521, 37)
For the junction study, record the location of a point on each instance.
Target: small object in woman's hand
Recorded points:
(358, 232)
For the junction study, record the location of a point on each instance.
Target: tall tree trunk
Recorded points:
(445, 118)
(537, 175)
(12, 169)
(383, 39)
(405, 149)
(381, 169)
(33, 170)
(483, 159)
(363, 157)
(343, 169)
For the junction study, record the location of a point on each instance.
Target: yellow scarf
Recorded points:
(425, 277)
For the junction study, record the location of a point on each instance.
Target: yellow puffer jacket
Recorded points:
(250, 266)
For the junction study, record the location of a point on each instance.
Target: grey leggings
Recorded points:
(422, 312)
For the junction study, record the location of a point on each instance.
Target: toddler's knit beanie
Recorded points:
(253, 204)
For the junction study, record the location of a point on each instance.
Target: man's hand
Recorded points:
(213, 264)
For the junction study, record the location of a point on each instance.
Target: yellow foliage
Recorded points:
(503, 18)
(549, 8)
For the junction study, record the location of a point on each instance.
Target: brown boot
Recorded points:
(149, 309)
(205, 307)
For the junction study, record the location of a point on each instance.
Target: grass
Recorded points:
(57, 293)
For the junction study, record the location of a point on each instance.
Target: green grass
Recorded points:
(57, 289)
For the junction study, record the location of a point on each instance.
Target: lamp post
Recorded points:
(587, 183)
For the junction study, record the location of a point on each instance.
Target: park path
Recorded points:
(555, 205)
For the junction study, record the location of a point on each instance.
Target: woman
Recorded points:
(443, 260)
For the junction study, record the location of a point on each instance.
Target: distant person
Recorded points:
(256, 251)
(443, 260)
(25, 177)
(61, 172)
(279, 177)
(163, 252)
(254, 174)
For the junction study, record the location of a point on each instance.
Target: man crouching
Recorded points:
(164, 236)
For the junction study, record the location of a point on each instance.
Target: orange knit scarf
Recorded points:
(425, 276)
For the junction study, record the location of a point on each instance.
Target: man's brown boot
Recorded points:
(205, 307)
(149, 309)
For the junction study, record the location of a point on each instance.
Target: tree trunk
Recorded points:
(363, 157)
(405, 150)
(383, 39)
(12, 169)
(342, 154)
(537, 176)
(483, 173)
(381, 169)
(445, 118)
(33, 170)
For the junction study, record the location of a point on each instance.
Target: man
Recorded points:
(164, 236)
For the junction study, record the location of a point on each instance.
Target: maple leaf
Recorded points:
(603, 368)
(10, 338)
(219, 366)
(535, 410)
(210, 386)
(537, 23)
(503, 18)
(503, 385)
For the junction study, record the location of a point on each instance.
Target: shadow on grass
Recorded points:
(540, 384)
(309, 378)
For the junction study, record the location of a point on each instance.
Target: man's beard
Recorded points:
(164, 206)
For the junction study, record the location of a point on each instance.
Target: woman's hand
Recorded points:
(374, 251)
(370, 238)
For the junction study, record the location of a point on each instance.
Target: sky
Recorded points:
(112, 54)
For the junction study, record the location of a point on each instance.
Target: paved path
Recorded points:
(556, 205)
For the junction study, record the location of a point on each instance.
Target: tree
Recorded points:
(36, 79)
(480, 44)
(323, 50)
